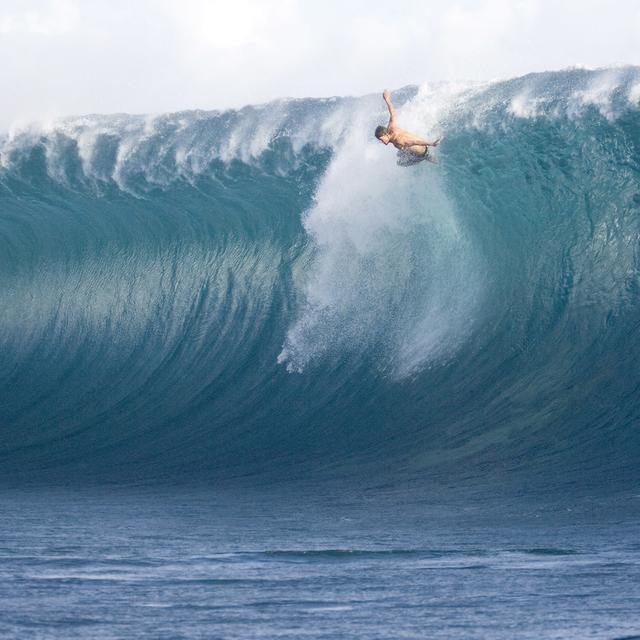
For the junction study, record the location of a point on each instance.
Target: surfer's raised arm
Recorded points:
(392, 112)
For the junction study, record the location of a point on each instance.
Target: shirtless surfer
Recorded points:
(411, 148)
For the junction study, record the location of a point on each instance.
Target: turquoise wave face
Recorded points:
(265, 293)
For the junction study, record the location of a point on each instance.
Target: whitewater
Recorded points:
(264, 292)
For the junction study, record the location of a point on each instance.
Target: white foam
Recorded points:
(526, 106)
(388, 254)
(633, 95)
(598, 93)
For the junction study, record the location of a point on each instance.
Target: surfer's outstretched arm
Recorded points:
(392, 112)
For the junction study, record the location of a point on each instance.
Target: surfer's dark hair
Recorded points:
(381, 131)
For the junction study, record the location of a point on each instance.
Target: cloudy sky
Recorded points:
(79, 56)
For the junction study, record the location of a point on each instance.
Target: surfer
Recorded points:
(411, 149)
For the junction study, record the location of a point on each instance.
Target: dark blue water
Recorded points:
(353, 399)
(253, 565)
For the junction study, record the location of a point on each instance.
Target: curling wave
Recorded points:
(264, 291)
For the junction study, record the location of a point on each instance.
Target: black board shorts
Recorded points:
(407, 158)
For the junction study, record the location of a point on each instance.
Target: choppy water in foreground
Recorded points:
(172, 565)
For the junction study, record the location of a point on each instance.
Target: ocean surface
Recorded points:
(259, 381)
(167, 565)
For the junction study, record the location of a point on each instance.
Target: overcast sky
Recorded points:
(80, 56)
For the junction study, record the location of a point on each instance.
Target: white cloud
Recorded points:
(78, 56)
(43, 18)
(220, 24)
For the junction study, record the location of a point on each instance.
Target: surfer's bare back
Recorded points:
(414, 147)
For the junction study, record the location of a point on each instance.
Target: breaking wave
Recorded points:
(264, 291)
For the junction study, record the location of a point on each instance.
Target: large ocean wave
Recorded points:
(265, 292)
